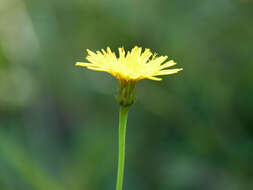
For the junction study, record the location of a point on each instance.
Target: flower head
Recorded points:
(131, 66)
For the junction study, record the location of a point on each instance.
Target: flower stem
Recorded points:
(121, 152)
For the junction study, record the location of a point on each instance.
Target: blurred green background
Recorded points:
(58, 122)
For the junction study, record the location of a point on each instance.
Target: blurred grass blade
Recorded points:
(25, 166)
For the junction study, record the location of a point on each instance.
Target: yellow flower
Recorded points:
(133, 66)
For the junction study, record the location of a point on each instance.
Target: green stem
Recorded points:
(122, 135)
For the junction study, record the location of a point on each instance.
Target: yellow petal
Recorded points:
(168, 64)
(168, 72)
(154, 78)
(83, 64)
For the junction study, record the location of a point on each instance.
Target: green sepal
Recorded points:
(126, 93)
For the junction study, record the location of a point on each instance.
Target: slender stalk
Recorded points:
(121, 152)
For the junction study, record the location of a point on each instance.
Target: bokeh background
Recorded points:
(58, 122)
